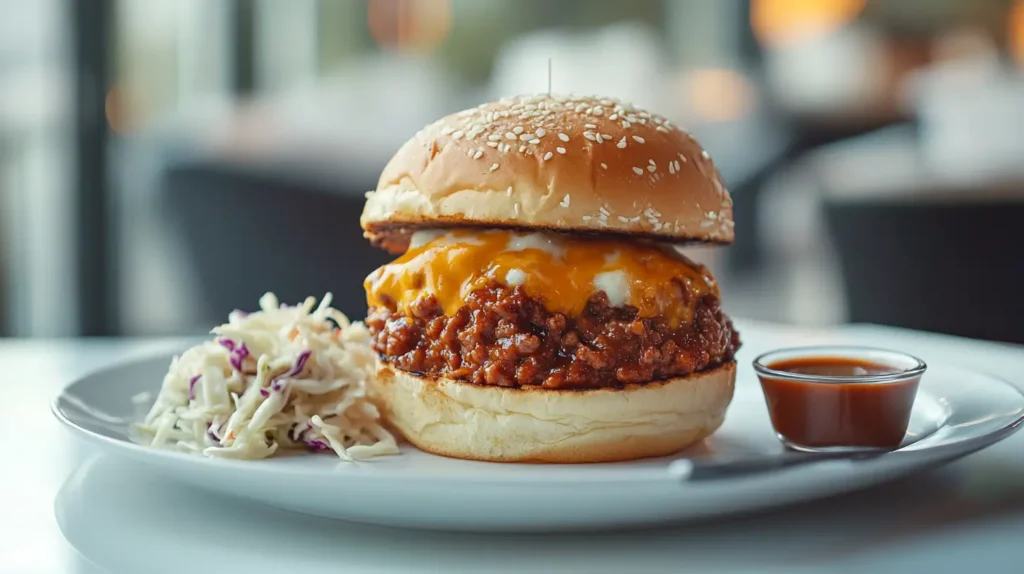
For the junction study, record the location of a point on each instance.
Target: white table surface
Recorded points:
(965, 517)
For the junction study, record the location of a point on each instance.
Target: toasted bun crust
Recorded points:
(463, 420)
(578, 164)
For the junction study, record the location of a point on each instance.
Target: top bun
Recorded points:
(549, 162)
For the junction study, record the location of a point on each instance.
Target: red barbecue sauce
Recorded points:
(827, 413)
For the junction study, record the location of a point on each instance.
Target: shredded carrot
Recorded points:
(294, 333)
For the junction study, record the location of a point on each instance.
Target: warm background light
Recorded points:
(115, 107)
(410, 25)
(1015, 31)
(718, 95)
(785, 22)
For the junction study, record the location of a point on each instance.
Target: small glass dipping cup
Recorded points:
(832, 398)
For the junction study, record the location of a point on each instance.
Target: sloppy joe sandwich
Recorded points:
(540, 308)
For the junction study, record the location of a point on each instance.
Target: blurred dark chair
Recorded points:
(250, 230)
(947, 265)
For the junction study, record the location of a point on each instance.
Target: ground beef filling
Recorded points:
(505, 338)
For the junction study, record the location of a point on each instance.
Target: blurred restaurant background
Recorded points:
(163, 162)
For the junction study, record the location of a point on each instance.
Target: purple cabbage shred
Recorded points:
(317, 445)
(300, 363)
(212, 433)
(192, 386)
(239, 355)
(237, 352)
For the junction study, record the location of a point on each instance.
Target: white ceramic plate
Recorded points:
(956, 412)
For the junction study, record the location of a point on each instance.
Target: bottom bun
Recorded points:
(500, 424)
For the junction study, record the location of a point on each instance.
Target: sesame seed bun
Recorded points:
(577, 164)
(478, 422)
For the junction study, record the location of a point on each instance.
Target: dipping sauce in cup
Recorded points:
(829, 398)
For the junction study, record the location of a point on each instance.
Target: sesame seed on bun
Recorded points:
(549, 162)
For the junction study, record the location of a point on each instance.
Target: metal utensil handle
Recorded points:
(693, 470)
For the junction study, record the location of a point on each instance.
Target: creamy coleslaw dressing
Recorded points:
(281, 378)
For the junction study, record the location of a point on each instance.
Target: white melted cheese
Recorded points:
(543, 242)
(615, 284)
(424, 236)
(515, 277)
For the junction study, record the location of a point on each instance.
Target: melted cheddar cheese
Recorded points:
(561, 271)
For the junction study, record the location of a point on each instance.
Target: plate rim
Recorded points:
(627, 471)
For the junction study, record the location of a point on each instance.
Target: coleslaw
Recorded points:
(280, 378)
